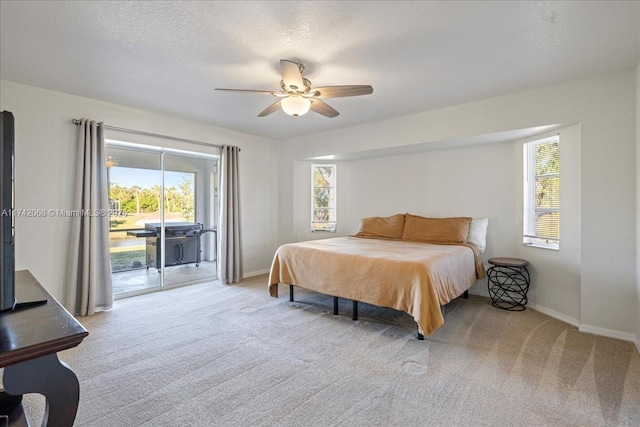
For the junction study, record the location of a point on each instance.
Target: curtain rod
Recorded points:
(77, 122)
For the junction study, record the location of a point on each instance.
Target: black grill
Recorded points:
(182, 243)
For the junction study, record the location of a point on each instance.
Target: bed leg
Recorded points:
(465, 295)
(290, 292)
(420, 336)
(354, 316)
(335, 306)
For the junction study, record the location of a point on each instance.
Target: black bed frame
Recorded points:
(354, 315)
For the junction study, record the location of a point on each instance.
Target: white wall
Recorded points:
(604, 107)
(555, 275)
(433, 183)
(638, 206)
(45, 159)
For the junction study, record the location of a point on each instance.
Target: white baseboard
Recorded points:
(596, 330)
(610, 333)
(555, 314)
(256, 273)
(483, 292)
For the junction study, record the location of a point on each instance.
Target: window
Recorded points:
(542, 193)
(323, 198)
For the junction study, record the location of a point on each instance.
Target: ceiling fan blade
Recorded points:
(261, 92)
(340, 91)
(291, 75)
(323, 108)
(270, 109)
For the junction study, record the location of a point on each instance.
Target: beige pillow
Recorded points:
(389, 227)
(441, 230)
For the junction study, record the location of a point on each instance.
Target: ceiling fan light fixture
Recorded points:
(295, 105)
(296, 96)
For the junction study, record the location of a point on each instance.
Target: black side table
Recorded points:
(508, 281)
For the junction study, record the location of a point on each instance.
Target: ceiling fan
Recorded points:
(297, 97)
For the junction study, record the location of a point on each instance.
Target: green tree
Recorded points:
(186, 198)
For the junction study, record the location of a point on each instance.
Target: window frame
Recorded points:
(332, 206)
(529, 235)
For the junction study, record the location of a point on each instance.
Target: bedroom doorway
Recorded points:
(163, 223)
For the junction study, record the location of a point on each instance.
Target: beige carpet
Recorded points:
(214, 355)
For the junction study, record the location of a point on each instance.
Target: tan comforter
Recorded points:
(416, 278)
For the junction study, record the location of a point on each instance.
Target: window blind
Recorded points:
(323, 197)
(542, 192)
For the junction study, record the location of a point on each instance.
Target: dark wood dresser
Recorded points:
(30, 338)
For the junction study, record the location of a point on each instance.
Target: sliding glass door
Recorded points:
(163, 227)
(189, 214)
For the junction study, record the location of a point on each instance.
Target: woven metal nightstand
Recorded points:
(508, 281)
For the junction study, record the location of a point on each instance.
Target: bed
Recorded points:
(403, 272)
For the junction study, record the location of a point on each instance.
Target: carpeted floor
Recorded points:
(216, 355)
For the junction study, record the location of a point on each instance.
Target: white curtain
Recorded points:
(229, 231)
(89, 288)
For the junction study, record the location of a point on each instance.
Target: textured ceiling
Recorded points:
(168, 56)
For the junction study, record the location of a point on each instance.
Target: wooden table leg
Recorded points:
(11, 412)
(52, 378)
